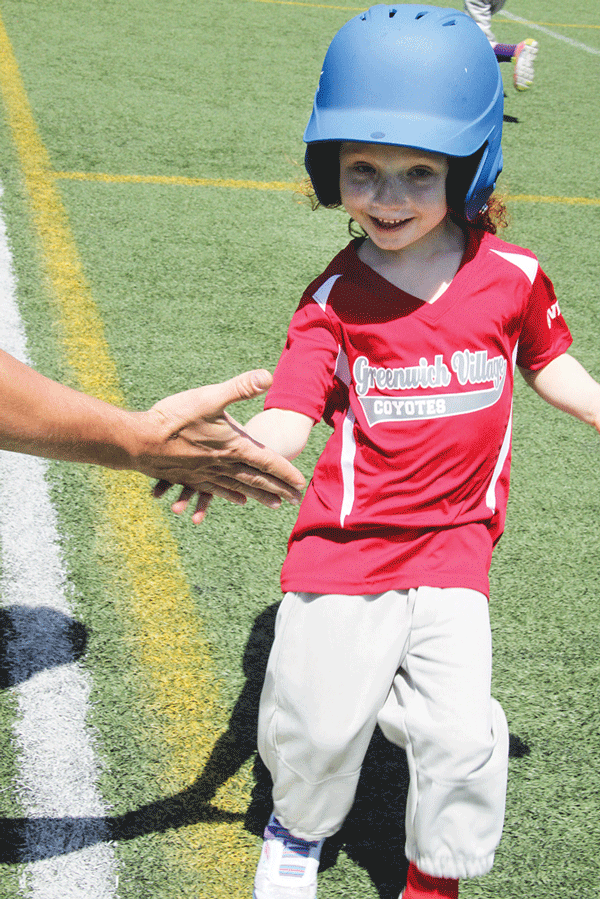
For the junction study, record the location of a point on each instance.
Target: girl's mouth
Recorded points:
(389, 224)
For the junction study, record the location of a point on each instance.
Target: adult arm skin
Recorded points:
(187, 439)
(566, 384)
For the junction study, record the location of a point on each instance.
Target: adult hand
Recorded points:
(192, 440)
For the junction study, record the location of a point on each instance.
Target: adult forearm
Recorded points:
(41, 417)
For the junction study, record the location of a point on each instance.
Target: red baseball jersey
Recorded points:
(412, 486)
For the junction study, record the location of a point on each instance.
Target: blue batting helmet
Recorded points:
(413, 76)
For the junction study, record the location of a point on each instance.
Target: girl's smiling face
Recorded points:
(396, 194)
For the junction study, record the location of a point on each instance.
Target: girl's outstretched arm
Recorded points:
(566, 384)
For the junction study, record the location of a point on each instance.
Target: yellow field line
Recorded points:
(232, 183)
(568, 201)
(314, 5)
(157, 602)
(236, 184)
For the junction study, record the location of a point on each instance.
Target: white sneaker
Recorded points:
(288, 866)
(523, 59)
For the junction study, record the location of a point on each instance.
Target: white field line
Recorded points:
(555, 34)
(58, 772)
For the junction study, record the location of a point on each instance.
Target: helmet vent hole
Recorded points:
(420, 15)
(392, 13)
(445, 24)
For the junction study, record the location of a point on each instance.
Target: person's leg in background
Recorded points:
(522, 55)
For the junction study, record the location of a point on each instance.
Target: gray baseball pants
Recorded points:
(416, 662)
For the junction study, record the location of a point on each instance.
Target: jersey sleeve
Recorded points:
(544, 333)
(304, 376)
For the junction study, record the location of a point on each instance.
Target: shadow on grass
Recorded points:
(33, 639)
(372, 835)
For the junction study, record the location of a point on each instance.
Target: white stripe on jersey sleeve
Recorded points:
(322, 294)
(527, 265)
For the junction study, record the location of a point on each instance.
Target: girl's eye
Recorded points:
(421, 172)
(363, 168)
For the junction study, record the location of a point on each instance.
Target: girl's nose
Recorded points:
(391, 191)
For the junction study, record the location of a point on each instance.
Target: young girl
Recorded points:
(406, 345)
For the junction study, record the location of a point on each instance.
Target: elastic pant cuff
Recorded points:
(448, 866)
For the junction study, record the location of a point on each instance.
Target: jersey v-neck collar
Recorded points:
(407, 303)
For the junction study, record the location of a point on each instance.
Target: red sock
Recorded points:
(422, 886)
